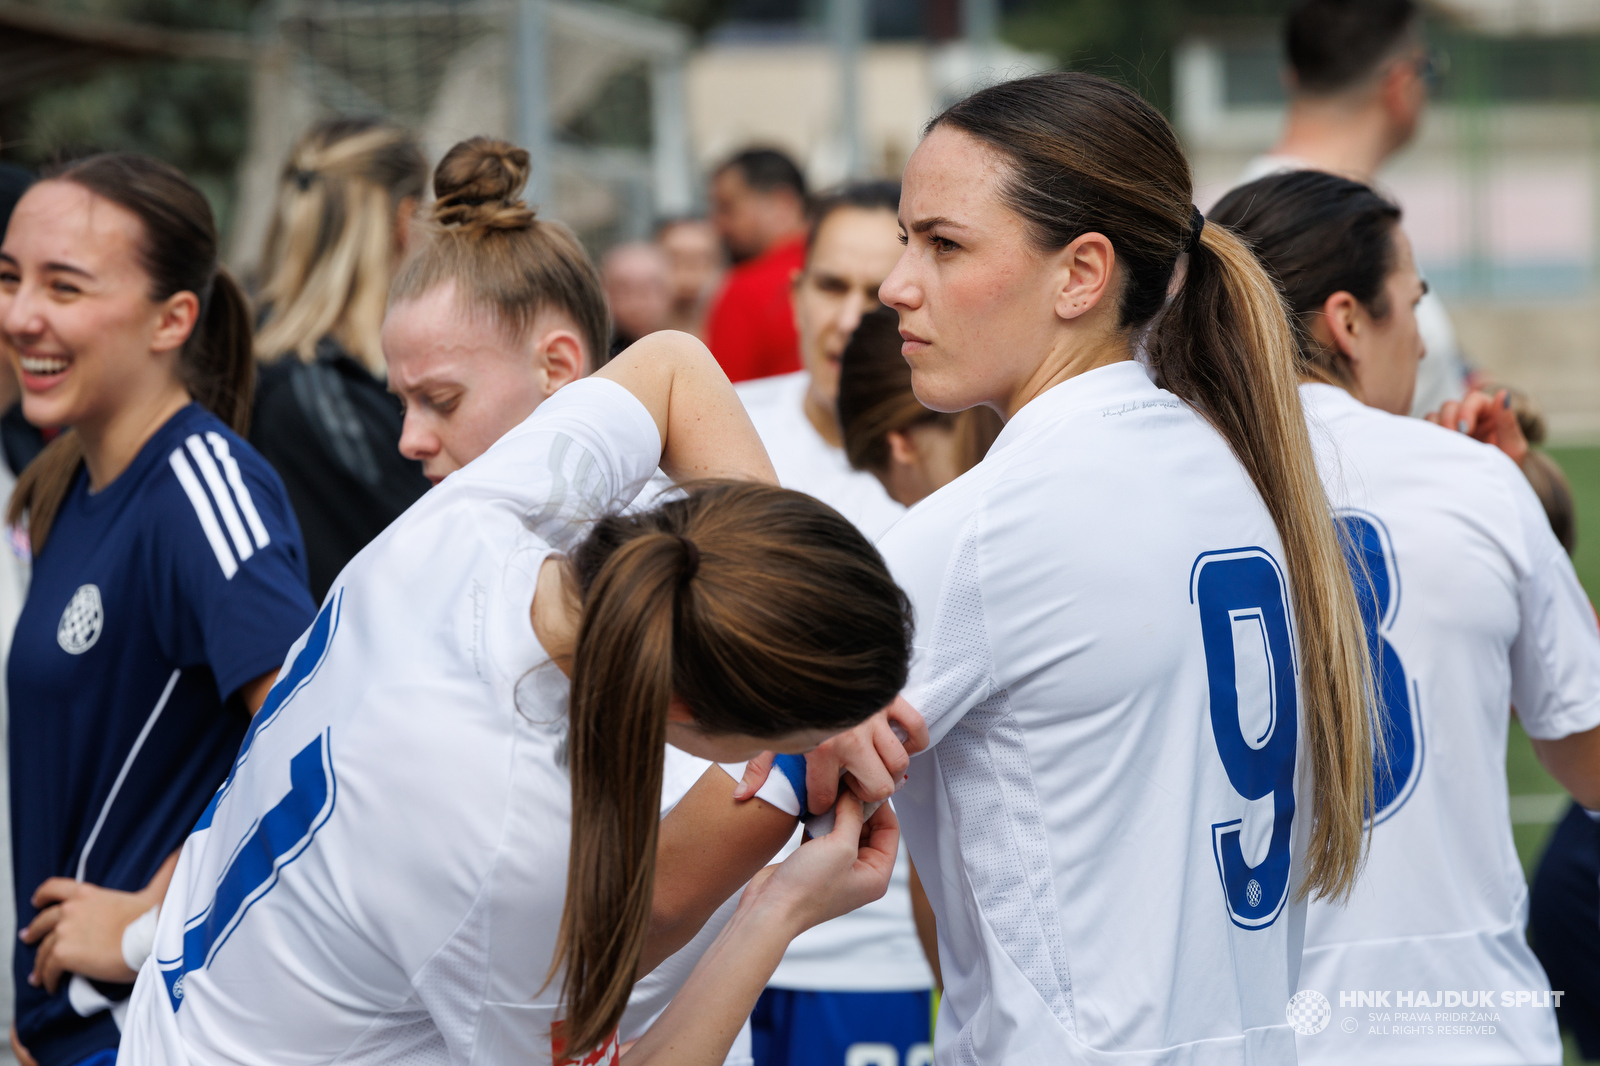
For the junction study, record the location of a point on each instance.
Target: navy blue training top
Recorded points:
(151, 604)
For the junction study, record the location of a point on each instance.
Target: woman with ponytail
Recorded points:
(1492, 616)
(442, 839)
(1139, 654)
(168, 576)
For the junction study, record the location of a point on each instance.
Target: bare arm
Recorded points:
(927, 926)
(1574, 761)
(704, 429)
(825, 878)
(710, 847)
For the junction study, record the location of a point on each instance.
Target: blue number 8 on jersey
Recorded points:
(1255, 714)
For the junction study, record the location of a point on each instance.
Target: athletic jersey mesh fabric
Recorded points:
(874, 948)
(153, 601)
(1477, 609)
(383, 874)
(1101, 615)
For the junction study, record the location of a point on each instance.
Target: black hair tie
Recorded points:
(1197, 223)
(691, 560)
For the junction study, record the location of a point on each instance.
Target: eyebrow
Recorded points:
(926, 224)
(67, 268)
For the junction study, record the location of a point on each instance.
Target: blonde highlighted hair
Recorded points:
(333, 246)
(506, 263)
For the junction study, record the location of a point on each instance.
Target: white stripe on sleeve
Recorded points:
(203, 511)
(219, 492)
(219, 444)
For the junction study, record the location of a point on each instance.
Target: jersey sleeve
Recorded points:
(585, 452)
(239, 599)
(951, 664)
(1555, 660)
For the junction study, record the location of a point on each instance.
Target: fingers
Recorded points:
(755, 775)
(46, 968)
(42, 924)
(892, 750)
(1508, 435)
(881, 845)
(55, 890)
(901, 712)
(822, 777)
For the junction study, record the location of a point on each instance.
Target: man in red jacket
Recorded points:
(758, 204)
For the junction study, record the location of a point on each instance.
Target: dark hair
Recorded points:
(1082, 155)
(1317, 234)
(505, 261)
(14, 181)
(766, 170)
(864, 195)
(178, 251)
(1549, 483)
(765, 612)
(875, 399)
(1334, 44)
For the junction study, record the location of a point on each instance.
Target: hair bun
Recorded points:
(477, 183)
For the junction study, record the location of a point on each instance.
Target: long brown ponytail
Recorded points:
(179, 253)
(765, 612)
(1090, 156)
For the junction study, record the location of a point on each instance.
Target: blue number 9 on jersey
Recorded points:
(1255, 714)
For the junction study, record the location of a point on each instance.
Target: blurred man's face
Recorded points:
(854, 250)
(739, 213)
(636, 284)
(694, 259)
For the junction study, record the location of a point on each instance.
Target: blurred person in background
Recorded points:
(854, 243)
(1472, 608)
(694, 264)
(637, 281)
(1358, 85)
(495, 311)
(861, 978)
(758, 205)
(323, 417)
(911, 450)
(168, 576)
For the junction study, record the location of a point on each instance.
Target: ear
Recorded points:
(678, 712)
(404, 213)
(902, 449)
(1085, 268)
(175, 320)
(1344, 319)
(560, 355)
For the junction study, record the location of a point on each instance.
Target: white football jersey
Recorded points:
(381, 879)
(1110, 822)
(873, 948)
(1472, 607)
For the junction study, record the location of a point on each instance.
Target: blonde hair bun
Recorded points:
(477, 183)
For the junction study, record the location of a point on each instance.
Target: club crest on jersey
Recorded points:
(82, 621)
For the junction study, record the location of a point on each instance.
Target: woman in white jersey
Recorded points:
(490, 316)
(1471, 607)
(1116, 825)
(433, 847)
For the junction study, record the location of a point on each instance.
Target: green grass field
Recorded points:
(1537, 801)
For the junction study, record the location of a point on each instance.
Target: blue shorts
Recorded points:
(795, 1028)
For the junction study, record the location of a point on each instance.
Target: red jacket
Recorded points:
(751, 325)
